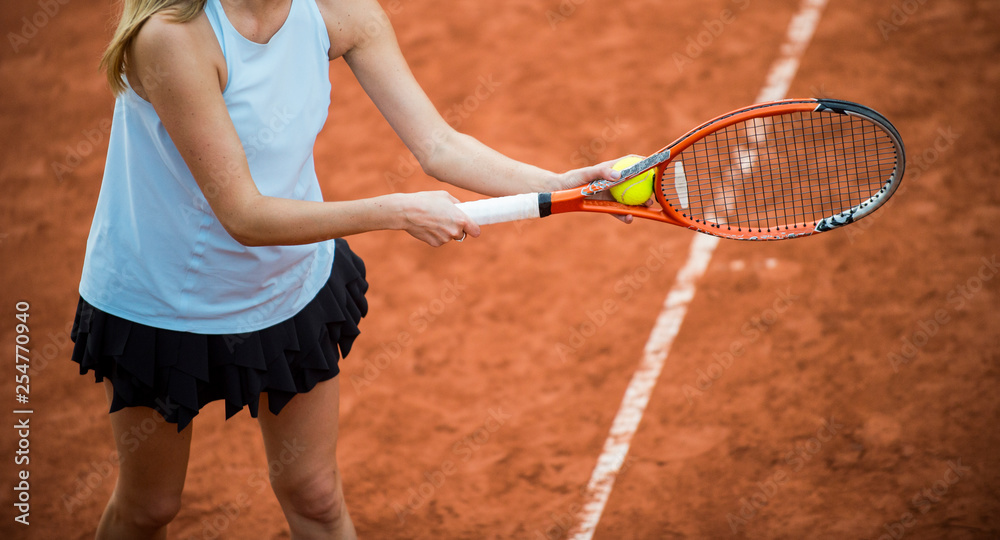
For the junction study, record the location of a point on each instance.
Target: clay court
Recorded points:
(837, 386)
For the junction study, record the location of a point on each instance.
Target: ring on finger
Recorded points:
(462, 238)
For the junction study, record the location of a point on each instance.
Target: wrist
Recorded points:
(391, 211)
(549, 182)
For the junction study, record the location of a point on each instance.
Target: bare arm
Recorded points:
(189, 102)
(444, 153)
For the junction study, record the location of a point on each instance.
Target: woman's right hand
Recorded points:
(431, 216)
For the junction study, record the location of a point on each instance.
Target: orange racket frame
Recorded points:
(524, 206)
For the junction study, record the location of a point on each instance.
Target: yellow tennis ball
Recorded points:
(634, 191)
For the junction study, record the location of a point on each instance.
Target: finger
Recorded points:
(438, 240)
(601, 171)
(468, 225)
(458, 236)
(471, 228)
(441, 237)
(604, 171)
(615, 161)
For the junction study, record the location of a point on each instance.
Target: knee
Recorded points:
(148, 511)
(318, 498)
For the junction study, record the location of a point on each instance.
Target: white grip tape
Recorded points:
(502, 209)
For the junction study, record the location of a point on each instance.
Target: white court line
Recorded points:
(668, 323)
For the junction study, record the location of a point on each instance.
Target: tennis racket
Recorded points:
(776, 170)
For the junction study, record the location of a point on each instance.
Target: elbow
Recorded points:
(436, 154)
(247, 240)
(242, 232)
(243, 220)
(431, 164)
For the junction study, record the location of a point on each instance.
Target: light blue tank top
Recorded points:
(156, 254)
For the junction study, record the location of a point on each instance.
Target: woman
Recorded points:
(211, 270)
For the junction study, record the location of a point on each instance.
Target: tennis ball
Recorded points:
(634, 191)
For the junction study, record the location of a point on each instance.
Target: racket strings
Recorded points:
(780, 172)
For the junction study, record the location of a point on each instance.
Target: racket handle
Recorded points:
(504, 209)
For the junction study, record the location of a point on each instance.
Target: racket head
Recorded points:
(782, 169)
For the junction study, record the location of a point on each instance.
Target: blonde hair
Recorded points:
(135, 13)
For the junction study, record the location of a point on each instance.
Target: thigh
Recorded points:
(153, 456)
(301, 441)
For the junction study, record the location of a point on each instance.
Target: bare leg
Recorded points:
(153, 463)
(301, 446)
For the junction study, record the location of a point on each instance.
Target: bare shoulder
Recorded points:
(165, 46)
(354, 23)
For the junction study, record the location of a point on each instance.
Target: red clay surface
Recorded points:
(461, 416)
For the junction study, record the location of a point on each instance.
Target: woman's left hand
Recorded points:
(585, 175)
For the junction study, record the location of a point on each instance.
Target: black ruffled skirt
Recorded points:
(177, 373)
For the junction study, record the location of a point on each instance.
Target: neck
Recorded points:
(258, 7)
(257, 20)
